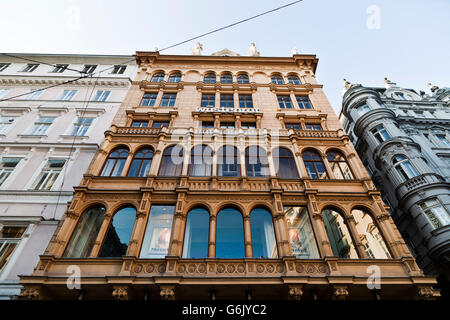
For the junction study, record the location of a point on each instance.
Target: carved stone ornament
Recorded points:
(167, 294)
(30, 293)
(295, 293)
(426, 293)
(340, 293)
(120, 293)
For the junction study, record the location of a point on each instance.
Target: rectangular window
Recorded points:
(157, 234)
(101, 95)
(160, 124)
(10, 237)
(89, 68)
(149, 99)
(3, 66)
(248, 125)
(30, 67)
(443, 140)
(33, 95)
(207, 124)
(284, 102)
(295, 126)
(435, 212)
(49, 174)
(81, 126)
(41, 126)
(60, 68)
(380, 133)
(316, 127)
(208, 100)
(168, 99)
(304, 102)
(245, 101)
(67, 95)
(5, 123)
(7, 166)
(139, 124)
(226, 101)
(118, 69)
(227, 125)
(3, 92)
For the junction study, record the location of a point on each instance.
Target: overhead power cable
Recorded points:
(40, 62)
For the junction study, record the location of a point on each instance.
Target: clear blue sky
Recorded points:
(411, 47)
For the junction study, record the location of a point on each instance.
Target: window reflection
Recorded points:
(340, 239)
(196, 234)
(263, 237)
(256, 162)
(157, 235)
(228, 162)
(172, 162)
(201, 161)
(284, 164)
(118, 234)
(230, 234)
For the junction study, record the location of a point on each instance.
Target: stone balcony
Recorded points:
(416, 183)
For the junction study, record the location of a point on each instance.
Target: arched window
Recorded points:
(314, 165)
(339, 165)
(226, 78)
(242, 78)
(256, 162)
(210, 77)
(196, 234)
(85, 233)
(158, 77)
(171, 162)
(175, 77)
(371, 237)
(201, 161)
(284, 164)
(340, 239)
(404, 167)
(230, 234)
(277, 79)
(115, 162)
(119, 233)
(228, 162)
(263, 237)
(141, 163)
(293, 79)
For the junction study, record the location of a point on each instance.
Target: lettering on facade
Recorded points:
(227, 110)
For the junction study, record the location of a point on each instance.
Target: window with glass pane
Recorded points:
(49, 174)
(118, 235)
(226, 78)
(301, 234)
(248, 125)
(101, 95)
(67, 95)
(380, 133)
(226, 101)
(263, 236)
(3, 66)
(277, 79)
(294, 79)
(160, 124)
(339, 165)
(5, 123)
(196, 234)
(118, 69)
(89, 68)
(404, 167)
(303, 102)
(400, 96)
(314, 165)
(33, 95)
(284, 102)
(315, 127)
(256, 162)
(284, 164)
(245, 101)
(242, 78)
(363, 109)
(172, 162)
(30, 67)
(371, 237)
(157, 234)
(85, 233)
(3, 92)
(295, 126)
(41, 126)
(60, 68)
(443, 139)
(228, 162)
(115, 162)
(230, 234)
(207, 124)
(81, 126)
(208, 100)
(149, 99)
(10, 237)
(175, 77)
(210, 78)
(338, 235)
(7, 166)
(201, 161)
(227, 125)
(435, 212)
(139, 124)
(158, 77)
(141, 163)
(168, 99)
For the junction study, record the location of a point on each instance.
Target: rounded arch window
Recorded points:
(141, 163)
(196, 234)
(301, 234)
(175, 77)
(285, 164)
(339, 165)
(230, 234)
(116, 161)
(119, 233)
(294, 79)
(228, 164)
(85, 234)
(210, 77)
(256, 162)
(314, 165)
(243, 78)
(263, 236)
(172, 162)
(277, 79)
(158, 77)
(404, 167)
(201, 161)
(338, 234)
(226, 77)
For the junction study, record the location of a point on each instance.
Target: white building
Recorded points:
(47, 140)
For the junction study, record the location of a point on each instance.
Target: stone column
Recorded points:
(327, 167)
(350, 221)
(248, 237)
(294, 100)
(137, 235)
(212, 236)
(101, 235)
(281, 233)
(176, 248)
(319, 227)
(127, 164)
